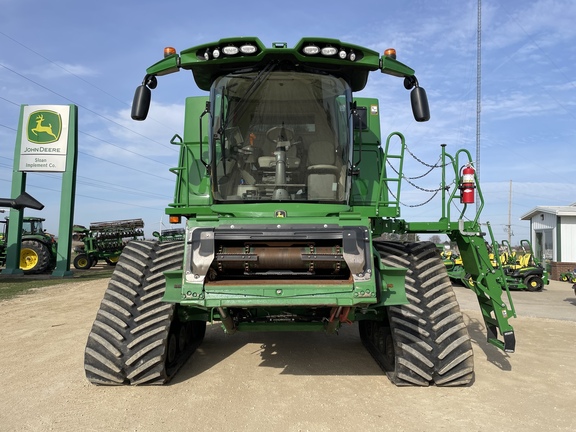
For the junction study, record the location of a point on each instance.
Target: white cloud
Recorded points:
(545, 22)
(61, 70)
(515, 104)
(151, 136)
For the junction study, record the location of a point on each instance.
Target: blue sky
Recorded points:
(95, 54)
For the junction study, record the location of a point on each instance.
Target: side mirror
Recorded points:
(141, 103)
(419, 102)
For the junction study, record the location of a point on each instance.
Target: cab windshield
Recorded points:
(280, 136)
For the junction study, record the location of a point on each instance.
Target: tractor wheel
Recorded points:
(426, 341)
(112, 260)
(534, 283)
(34, 257)
(564, 278)
(573, 279)
(83, 262)
(136, 338)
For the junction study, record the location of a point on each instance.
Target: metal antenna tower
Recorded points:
(478, 92)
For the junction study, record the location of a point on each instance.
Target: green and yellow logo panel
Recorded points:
(44, 127)
(44, 137)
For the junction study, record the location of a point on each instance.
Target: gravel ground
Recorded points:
(283, 381)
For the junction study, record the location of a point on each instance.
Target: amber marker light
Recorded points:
(390, 52)
(175, 219)
(168, 51)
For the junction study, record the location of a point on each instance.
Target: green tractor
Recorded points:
(38, 248)
(285, 185)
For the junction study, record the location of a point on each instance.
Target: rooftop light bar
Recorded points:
(330, 50)
(241, 48)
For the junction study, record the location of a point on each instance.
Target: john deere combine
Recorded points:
(287, 188)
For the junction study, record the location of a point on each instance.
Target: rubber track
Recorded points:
(128, 340)
(431, 341)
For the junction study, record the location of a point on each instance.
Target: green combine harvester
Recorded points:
(287, 189)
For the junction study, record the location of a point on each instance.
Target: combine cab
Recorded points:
(285, 185)
(105, 240)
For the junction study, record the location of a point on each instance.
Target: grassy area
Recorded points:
(11, 286)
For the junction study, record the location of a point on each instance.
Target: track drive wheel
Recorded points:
(136, 338)
(426, 341)
(34, 257)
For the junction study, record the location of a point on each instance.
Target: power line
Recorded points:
(98, 183)
(109, 143)
(73, 74)
(101, 140)
(8, 127)
(61, 67)
(84, 107)
(88, 196)
(122, 148)
(13, 103)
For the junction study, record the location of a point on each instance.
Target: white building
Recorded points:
(553, 236)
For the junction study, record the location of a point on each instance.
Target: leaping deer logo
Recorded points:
(40, 128)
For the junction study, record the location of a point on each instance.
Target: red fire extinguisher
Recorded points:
(467, 185)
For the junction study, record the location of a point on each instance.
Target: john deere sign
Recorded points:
(47, 140)
(44, 140)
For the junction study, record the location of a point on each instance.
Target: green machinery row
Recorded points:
(523, 270)
(102, 241)
(105, 241)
